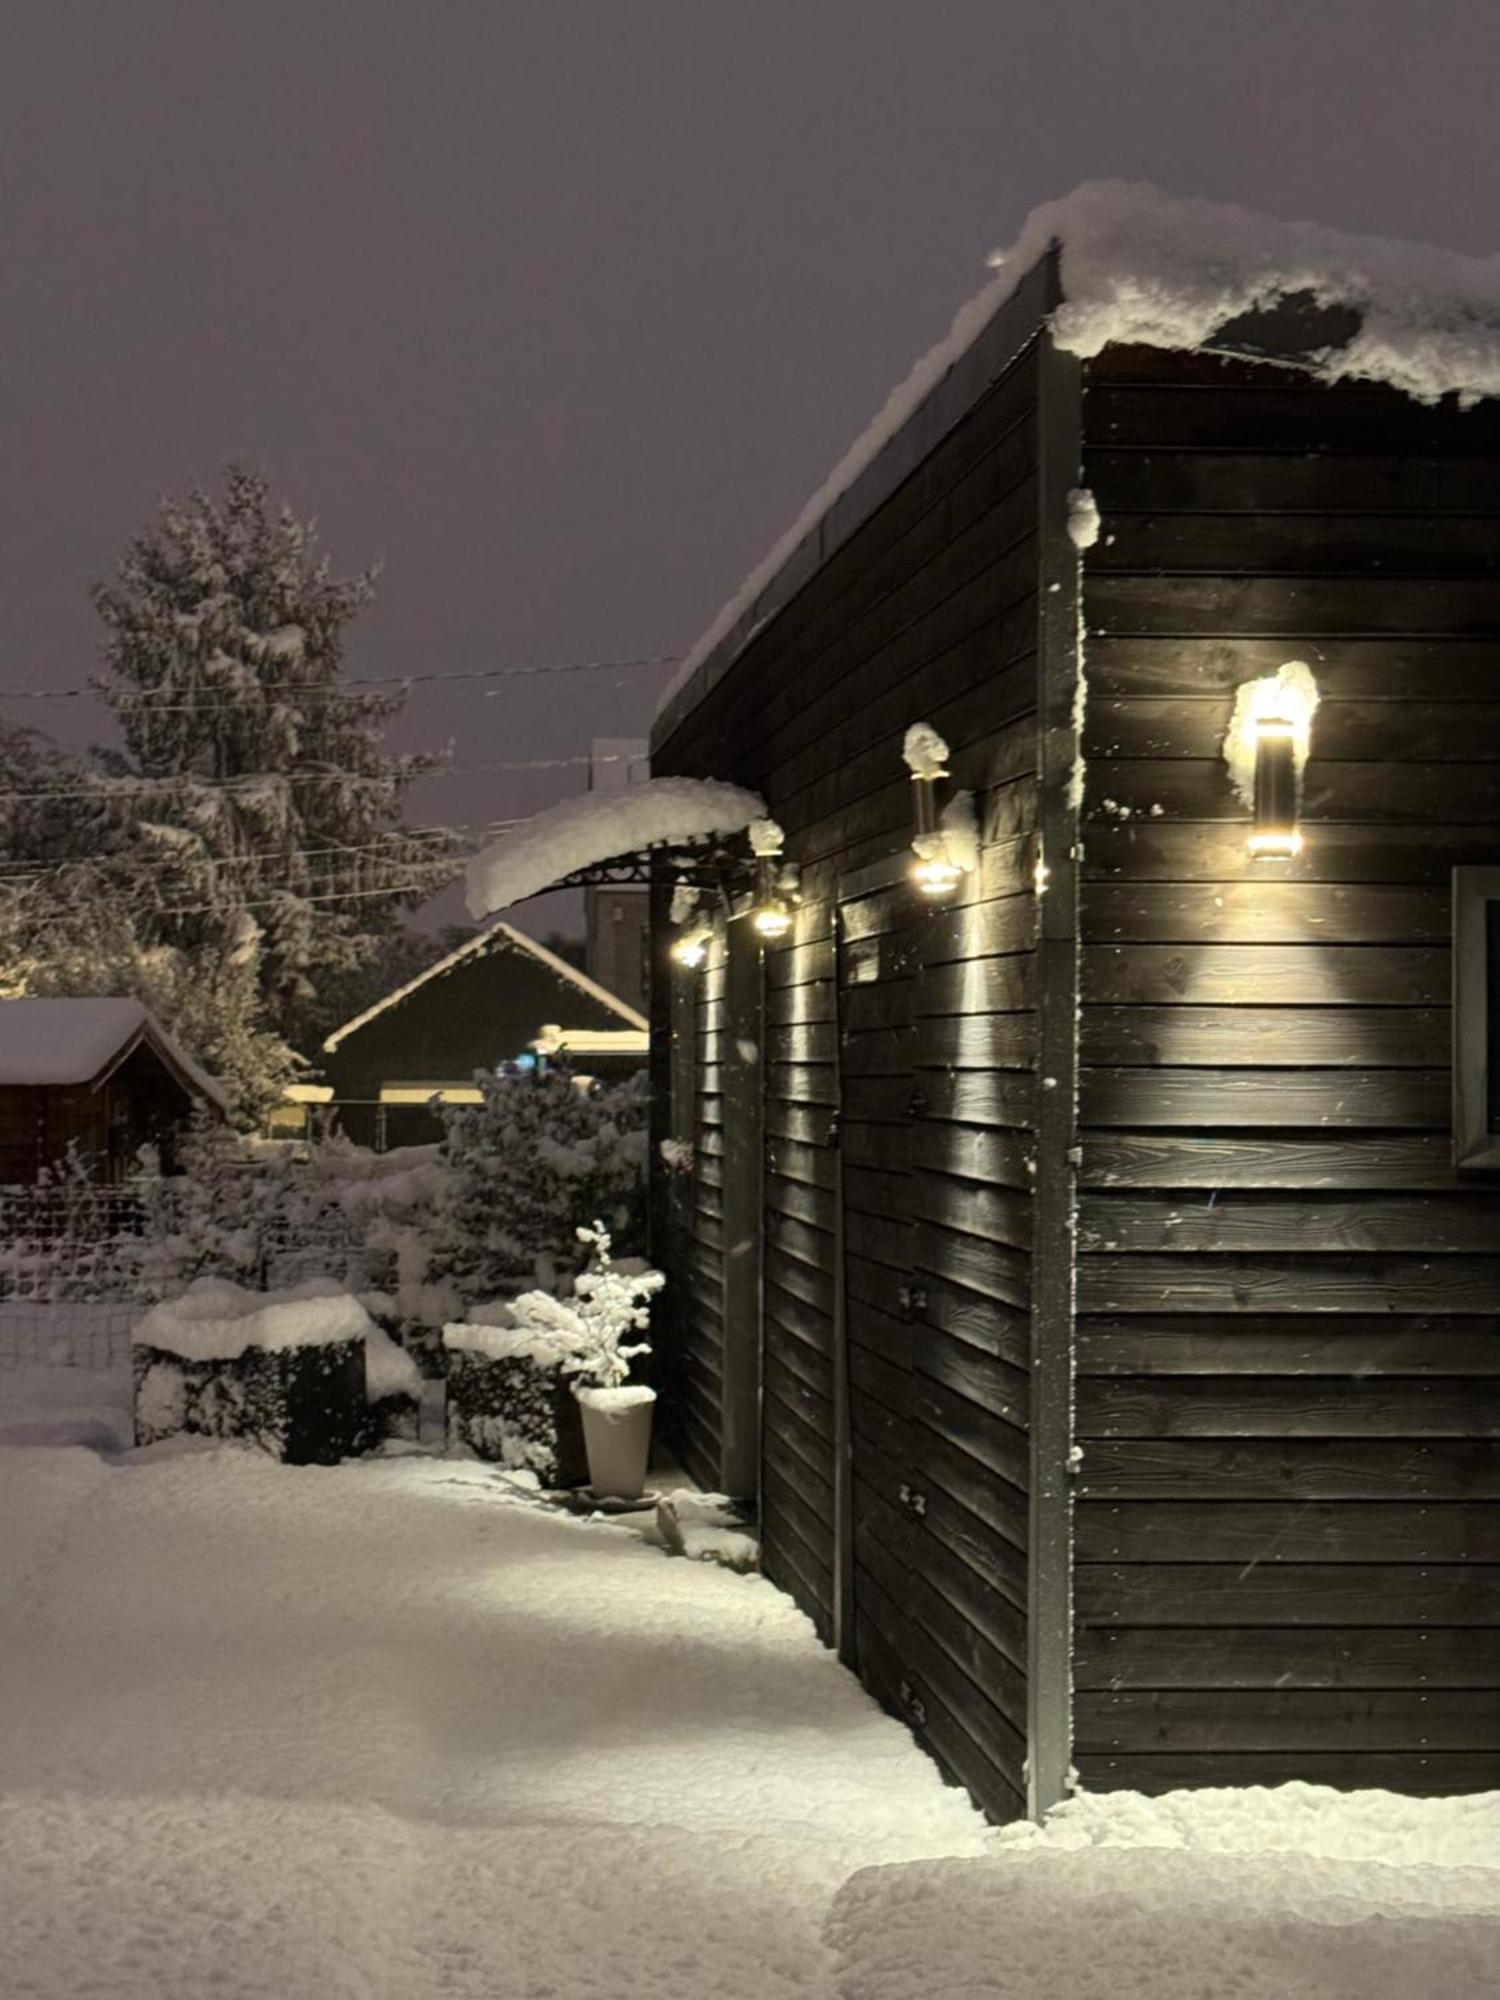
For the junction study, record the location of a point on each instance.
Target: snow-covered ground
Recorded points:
(395, 1730)
(381, 1730)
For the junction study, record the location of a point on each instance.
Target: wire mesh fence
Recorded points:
(77, 1268)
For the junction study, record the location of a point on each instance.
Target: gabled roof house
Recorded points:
(500, 997)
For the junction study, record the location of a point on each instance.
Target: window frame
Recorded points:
(1476, 1139)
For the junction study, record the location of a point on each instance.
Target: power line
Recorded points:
(106, 790)
(88, 691)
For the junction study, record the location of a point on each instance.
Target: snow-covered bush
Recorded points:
(214, 1218)
(285, 1370)
(538, 1151)
(587, 1332)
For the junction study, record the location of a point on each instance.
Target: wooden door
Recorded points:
(877, 965)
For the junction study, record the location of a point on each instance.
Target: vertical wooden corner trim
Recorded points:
(844, 1641)
(1054, 1256)
(742, 1064)
(1476, 1144)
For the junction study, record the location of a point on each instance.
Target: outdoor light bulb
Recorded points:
(1273, 834)
(773, 919)
(690, 951)
(935, 877)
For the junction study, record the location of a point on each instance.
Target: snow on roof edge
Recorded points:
(1141, 266)
(468, 949)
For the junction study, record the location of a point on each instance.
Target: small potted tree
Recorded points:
(610, 1301)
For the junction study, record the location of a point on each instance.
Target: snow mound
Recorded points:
(389, 1369)
(1116, 1924)
(67, 1406)
(1294, 1819)
(217, 1320)
(1141, 266)
(600, 826)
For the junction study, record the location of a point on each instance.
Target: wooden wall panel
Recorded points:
(928, 611)
(1288, 1344)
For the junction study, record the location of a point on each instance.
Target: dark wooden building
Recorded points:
(98, 1077)
(1084, 1272)
(490, 1002)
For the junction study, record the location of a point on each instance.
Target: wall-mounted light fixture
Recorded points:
(1274, 835)
(1266, 749)
(770, 913)
(945, 845)
(931, 869)
(691, 948)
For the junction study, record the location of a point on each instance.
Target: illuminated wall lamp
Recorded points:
(1274, 834)
(931, 870)
(691, 949)
(770, 915)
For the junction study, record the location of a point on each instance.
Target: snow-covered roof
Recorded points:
(486, 940)
(54, 1043)
(1141, 266)
(601, 826)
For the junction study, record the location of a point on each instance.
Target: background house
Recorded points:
(1111, 1338)
(490, 1002)
(99, 1075)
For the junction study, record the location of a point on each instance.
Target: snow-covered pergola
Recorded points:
(611, 837)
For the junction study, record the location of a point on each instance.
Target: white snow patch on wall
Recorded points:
(1083, 518)
(599, 826)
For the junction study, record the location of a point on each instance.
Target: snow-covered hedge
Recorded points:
(283, 1370)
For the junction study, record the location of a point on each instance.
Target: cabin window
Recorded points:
(1476, 1019)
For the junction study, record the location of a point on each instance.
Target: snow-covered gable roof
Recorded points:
(57, 1043)
(601, 826)
(1136, 265)
(486, 940)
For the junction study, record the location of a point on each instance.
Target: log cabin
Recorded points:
(1093, 1273)
(94, 1079)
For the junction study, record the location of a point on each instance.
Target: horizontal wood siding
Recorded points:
(1288, 1343)
(920, 1071)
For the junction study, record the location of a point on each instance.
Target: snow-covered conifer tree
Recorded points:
(254, 787)
(535, 1158)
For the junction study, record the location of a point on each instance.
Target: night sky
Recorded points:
(561, 310)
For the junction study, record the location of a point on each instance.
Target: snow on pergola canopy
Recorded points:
(1139, 266)
(600, 827)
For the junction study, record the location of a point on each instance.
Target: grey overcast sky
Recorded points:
(561, 308)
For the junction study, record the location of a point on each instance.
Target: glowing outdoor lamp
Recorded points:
(691, 948)
(1274, 835)
(931, 870)
(770, 915)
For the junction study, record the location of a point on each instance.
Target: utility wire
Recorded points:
(107, 789)
(39, 870)
(331, 690)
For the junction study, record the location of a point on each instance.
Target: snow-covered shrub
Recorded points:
(508, 1401)
(538, 1151)
(587, 1332)
(282, 1370)
(214, 1218)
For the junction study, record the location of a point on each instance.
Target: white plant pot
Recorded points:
(617, 1438)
